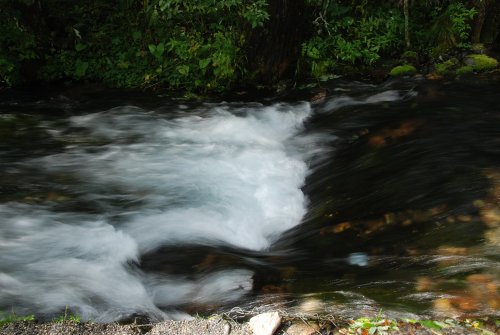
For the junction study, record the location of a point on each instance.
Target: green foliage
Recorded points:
(200, 45)
(351, 35)
(185, 44)
(403, 70)
(378, 326)
(6, 318)
(451, 27)
(480, 62)
(432, 324)
(157, 50)
(255, 13)
(410, 57)
(67, 317)
(464, 70)
(17, 46)
(446, 67)
(461, 18)
(409, 54)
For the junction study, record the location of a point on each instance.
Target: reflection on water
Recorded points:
(381, 197)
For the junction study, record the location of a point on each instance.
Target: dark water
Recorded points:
(381, 198)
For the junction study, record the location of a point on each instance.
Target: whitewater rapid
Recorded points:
(134, 181)
(212, 175)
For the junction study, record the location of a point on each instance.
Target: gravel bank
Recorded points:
(213, 326)
(217, 325)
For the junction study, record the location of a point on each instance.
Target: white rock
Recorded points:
(265, 324)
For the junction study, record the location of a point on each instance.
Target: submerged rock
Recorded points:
(311, 306)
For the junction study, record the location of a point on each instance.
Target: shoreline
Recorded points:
(222, 324)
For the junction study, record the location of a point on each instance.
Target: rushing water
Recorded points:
(381, 197)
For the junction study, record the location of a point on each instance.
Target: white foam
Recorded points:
(337, 102)
(213, 176)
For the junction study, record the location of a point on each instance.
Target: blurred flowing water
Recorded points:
(114, 204)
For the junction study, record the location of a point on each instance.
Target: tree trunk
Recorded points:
(407, 23)
(490, 30)
(274, 50)
(482, 7)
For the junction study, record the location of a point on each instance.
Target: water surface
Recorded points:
(380, 198)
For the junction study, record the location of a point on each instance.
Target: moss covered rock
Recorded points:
(464, 70)
(403, 70)
(481, 62)
(446, 67)
(410, 57)
(478, 48)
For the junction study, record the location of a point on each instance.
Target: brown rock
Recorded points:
(490, 216)
(319, 97)
(338, 228)
(466, 303)
(424, 284)
(303, 328)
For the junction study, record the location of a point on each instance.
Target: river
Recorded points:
(380, 198)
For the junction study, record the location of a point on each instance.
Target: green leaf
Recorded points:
(77, 33)
(157, 50)
(80, 47)
(160, 48)
(136, 35)
(203, 63)
(372, 330)
(183, 69)
(81, 68)
(431, 324)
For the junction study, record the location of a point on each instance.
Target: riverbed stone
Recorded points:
(303, 328)
(265, 323)
(310, 306)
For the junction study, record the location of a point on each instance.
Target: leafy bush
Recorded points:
(201, 45)
(17, 45)
(451, 27)
(189, 44)
(352, 35)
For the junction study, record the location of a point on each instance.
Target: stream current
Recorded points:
(115, 204)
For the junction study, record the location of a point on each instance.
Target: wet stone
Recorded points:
(303, 328)
(265, 324)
